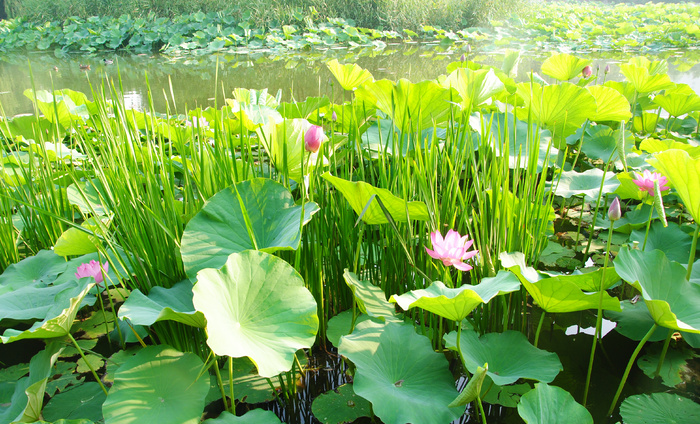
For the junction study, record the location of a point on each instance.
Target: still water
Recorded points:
(180, 83)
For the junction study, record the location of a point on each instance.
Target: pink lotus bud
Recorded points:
(313, 138)
(587, 71)
(462, 58)
(607, 69)
(614, 212)
(469, 48)
(93, 269)
(334, 116)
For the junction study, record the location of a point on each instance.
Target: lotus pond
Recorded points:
(487, 244)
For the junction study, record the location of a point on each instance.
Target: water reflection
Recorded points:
(196, 81)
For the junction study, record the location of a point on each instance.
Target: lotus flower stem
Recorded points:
(597, 204)
(646, 235)
(599, 315)
(663, 352)
(539, 327)
(92, 370)
(220, 382)
(230, 385)
(481, 409)
(629, 367)
(693, 247)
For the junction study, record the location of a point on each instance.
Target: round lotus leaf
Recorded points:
(340, 405)
(257, 306)
(659, 408)
(258, 214)
(341, 324)
(403, 388)
(256, 416)
(547, 404)
(157, 385)
(509, 354)
(81, 402)
(563, 66)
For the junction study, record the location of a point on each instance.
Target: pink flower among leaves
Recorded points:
(313, 138)
(646, 181)
(93, 269)
(452, 250)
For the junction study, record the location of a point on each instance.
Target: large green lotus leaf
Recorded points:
(505, 128)
(411, 106)
(591, 281)
(158, 384)
(671, 240)
(62, 421)
(62, 106)
(28, 397)
(59, 317)
(81, 402)
(509, 354)
(403, 388)
(359, 193)
(30, 126)
(561, 108)
(679, 100)
(674, 367)
(673, 301)
(563, 66)
(220, 229)
(30, 302)
(75, 242)
(341, 324)
(634, 321)
(350, 76)
(257, 306)
(40, 269)
(611, 104)
(284, 143)
(683, 172)
(162, 304)
(587, 183)
(654, 145)
(256, 416)
(370, 299)
(551, 293)
(340, 405)
(474, 87)
(659, 408)
(600, 142)
(646, 76)
(455, 304)
(547, 404)
(307, 108)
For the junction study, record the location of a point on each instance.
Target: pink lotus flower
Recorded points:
(646, 182)
(587, 71)
(93, 269)
(313, 138)
(452, 250)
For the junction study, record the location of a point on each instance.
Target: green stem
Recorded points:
(539, 328)
(646, 235)
(663, 352)
(92, 370)
(693, 248)
(599, 316)
(629, 368)
(230, 385)
(220, 382)
(481, 409)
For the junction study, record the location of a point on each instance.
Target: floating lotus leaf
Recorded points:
(411, 106)
(679, 100)
(158, 384)
(455, 304)
(256, 416)
(509, 354)
(402, 388)
(257, 306)
(563, 66)
(601, 141)
(220, 227)
(28, 396)
(38, 270)
(359, 193)
(350, 76)
(547, 404)
(674, 367)
(162, 304)
(340, 405)
(370, 299)
(671, 240)
(646, 76)
(561, 108)
(683, 172)
(611, 104)
(554, 294)
(59, 317)
(475, 87)
(80, 402)
(508, 396)
(673, 301)
(659, 408)
(587, 183)
(284, 143)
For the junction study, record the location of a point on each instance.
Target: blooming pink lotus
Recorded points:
(452, 250)
(93, 269)
(646, 182)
